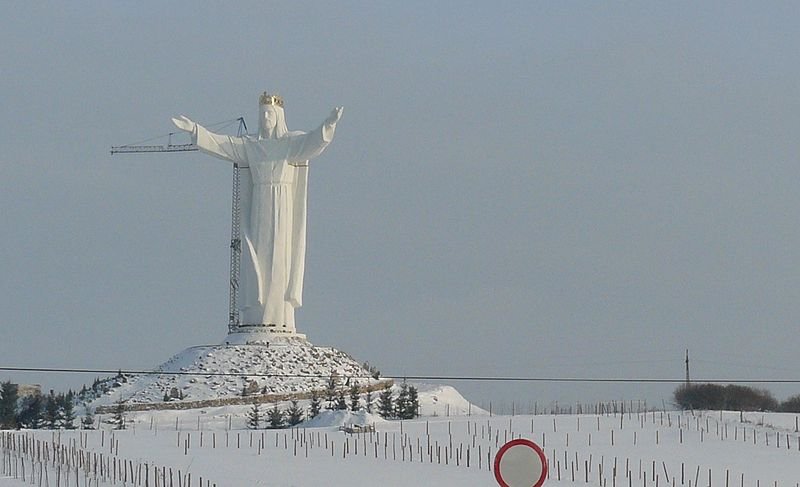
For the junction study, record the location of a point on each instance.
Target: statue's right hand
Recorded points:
(184, 123)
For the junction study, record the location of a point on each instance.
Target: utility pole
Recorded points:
(687, 367)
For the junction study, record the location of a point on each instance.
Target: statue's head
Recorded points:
(271, 119)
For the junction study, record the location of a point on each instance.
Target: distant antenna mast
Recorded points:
(236, 240)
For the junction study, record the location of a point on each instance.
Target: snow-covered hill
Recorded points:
(225, 371)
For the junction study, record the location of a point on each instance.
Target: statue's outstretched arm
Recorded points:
(310, 145)
(225, 147)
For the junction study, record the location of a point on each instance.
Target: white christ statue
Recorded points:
(273, 171)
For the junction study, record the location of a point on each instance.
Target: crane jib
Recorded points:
(236, 247)
(130, 149)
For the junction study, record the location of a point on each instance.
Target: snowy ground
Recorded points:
(637, 448)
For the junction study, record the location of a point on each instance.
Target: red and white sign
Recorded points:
(520, 463)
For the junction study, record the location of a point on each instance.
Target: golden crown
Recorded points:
(266, 99)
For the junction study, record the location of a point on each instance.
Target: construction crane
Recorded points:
(236, 240)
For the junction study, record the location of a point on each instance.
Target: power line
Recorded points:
(638, 380)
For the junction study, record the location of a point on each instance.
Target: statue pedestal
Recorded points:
(262, 335)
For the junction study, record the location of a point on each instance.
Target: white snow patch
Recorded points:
(342, 418)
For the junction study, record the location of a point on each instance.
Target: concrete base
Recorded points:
(262, 335)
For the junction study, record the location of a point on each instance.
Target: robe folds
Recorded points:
(273, 186)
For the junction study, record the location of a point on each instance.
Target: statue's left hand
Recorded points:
(335, 115)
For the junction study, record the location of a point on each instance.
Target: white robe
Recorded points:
(274, 178)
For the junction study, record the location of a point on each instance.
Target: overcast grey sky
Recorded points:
(555, 189)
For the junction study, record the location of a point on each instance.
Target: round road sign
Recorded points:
(520, 463)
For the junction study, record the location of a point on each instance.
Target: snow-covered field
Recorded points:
(632, 449)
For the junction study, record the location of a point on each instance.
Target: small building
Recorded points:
(26, 390)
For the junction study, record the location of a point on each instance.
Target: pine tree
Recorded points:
(315, 405)
(254, 417)
(30, 412)
(330, 392)
(68, 410)
(118, 418)
(385, 403)
(8, 405)
(368, 401)
(275, 417)
(407, 404)
(52, 411)
(413, 402)
(294, 415)
(355, 398)
(341, 401)
(401, 404)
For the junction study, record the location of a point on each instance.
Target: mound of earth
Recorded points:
(235, 372)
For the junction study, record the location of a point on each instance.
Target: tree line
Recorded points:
(404, 406)
(35, 411)
(732, 397)
(57, 411)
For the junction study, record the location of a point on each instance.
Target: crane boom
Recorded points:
(236, 241)
(127, 149)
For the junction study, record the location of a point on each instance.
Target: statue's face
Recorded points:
(270, 117)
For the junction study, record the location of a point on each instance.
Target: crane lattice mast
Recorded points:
(236, 238)
(236, 251)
